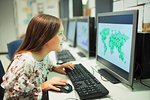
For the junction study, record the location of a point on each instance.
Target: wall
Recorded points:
(119, 5)
(142, 5)
(16, 14)
(23, 10)
(70, 8)
(26, 9)
(64, 8)
(51, 7)
(75, 8)
(91, 5)
(7, 24)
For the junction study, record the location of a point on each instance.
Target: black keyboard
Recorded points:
(64, 56)
(86, 85)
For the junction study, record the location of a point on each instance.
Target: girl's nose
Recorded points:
(64, 38)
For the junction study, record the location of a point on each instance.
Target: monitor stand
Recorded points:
(70, 45)
(108, 76)
(81, 54)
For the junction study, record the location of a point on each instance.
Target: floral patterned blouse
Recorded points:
(24, 76)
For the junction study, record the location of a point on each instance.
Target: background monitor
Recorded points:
(86, 35)
(71, 36)
(65, 25)
(116, 36)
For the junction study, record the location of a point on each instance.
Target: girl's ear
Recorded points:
(46, 44)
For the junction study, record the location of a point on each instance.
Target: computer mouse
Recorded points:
(64, 88)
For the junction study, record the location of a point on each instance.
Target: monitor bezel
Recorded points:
(72, 42)
(99, 61)
(65, 30)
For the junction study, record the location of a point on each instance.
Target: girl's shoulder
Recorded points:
(21, 62)
(25, 57)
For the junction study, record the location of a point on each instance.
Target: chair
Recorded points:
(12, 47)
(2, 72)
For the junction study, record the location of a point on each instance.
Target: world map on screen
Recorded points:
(114, 43)
(116, 39)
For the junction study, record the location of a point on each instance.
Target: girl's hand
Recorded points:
(61, 67)
(49, 84)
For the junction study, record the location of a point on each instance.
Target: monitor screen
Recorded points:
(116, 33)
(82, 35)
(71, 31)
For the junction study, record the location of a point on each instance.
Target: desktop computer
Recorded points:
(86, 36)
(115, 46)
(124, 53)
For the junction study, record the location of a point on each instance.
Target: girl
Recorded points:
(26, 75)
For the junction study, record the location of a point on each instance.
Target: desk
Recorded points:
(116, 91)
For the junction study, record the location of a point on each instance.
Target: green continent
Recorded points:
(117, 39)
(104, 33)
(84, 29)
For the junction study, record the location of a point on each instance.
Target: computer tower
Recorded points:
(142, 56)
(92, 38)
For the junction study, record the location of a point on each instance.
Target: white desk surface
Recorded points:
(116, 91)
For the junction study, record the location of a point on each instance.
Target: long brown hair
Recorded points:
(39, 31)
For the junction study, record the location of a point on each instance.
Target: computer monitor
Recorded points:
(86, 36)
(71, 36)
(115, 44)
(65, 25)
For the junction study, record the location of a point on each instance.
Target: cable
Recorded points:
(103, 79)
(94, 69)
(138, 66)
(144, 83)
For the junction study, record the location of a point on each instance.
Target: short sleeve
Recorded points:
(19, 79)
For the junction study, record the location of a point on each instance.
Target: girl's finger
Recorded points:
(54, 88)
(60, 83)
(62, 80)
(70, 66)
(63, 72)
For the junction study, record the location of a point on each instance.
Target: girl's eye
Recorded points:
(60, 33)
